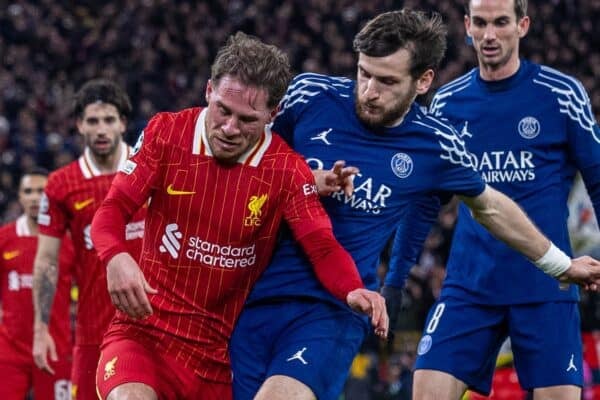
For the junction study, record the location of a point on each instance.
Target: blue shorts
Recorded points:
(463, 339)
(311, 341)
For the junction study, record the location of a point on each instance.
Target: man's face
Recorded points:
(31, 189)
(236, 118)
(495, 31)
(384, 89)
(102, 128)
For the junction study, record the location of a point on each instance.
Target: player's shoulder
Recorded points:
(66, 173)
(280, 153)
(452, 91)
(425, 121)
(558, 83)
(308, 87)
(458, 84)
(7, 229)
(171, 126)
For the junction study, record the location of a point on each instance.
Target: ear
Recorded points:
(273, 113)
(467, 22)
(424, 81)
(209, 90)
(79, 123)
(523, 26)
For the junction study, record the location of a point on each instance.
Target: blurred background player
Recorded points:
(221, 184)
(72, 196)
(408, 160)
(529, 128)
(18, 243)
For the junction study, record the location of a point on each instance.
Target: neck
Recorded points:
(491, 73)
(108, 163)
(32, 225)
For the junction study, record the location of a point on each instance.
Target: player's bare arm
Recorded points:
(503, 218)
(127, 286)
(45, 275)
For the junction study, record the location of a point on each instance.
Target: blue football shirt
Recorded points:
(528, 135)
(403, 172)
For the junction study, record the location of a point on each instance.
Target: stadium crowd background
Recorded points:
(160, 50)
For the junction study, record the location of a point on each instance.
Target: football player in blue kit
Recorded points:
(295, 341)
(529, 129)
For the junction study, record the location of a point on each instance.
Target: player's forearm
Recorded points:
(108, 225)
(45, 274)
(504, 219)
(333, 265)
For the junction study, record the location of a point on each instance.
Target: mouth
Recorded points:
(225, 145)
(102, 143)
(490, 50)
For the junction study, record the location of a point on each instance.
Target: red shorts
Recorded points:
(83, 376)
(124, 360)
(19, 374)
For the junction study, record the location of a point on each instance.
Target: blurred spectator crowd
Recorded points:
(160, 51)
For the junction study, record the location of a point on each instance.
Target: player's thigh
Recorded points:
(83, 373)
(317, 348)
(563, 392)
(436, 385)
(281, 387)
(16, 377)
(546, 343)
(55, 386)
(122, 362)
(251, 345)
(134, 390)
(462, 340)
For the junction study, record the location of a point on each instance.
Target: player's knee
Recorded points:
(563, 392)
(436, 385)
(281, 387)
(132, 391)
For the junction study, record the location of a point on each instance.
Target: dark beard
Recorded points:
(387, 118)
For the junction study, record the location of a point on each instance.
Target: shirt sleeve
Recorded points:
(409, 239)
(108, 225)
(584, 142)
(303, 211)
(138, 177)
(52, 217)
(291, 106)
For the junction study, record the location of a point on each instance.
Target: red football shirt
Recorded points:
(72, 196)
(17, 249)
(210, 232)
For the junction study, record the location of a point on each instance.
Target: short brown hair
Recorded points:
(520, 8)
(102, 90)
(423, 36)
(254, 63)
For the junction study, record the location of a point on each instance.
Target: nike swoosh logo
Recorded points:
(80, 205)
(9, 255)
(174, 192)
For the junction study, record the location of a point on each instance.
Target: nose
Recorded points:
(231, 126)
(490, 32)
(371, 92)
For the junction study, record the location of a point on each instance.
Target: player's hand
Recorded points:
(43, 345)
(372, 304)
(128, 287)
(584, 271)
(337, 178)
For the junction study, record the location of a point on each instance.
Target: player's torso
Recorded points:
(16, 282)
(518, 141)
(213, 228)
(18, 249)
(72, 200)
(396, 166)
